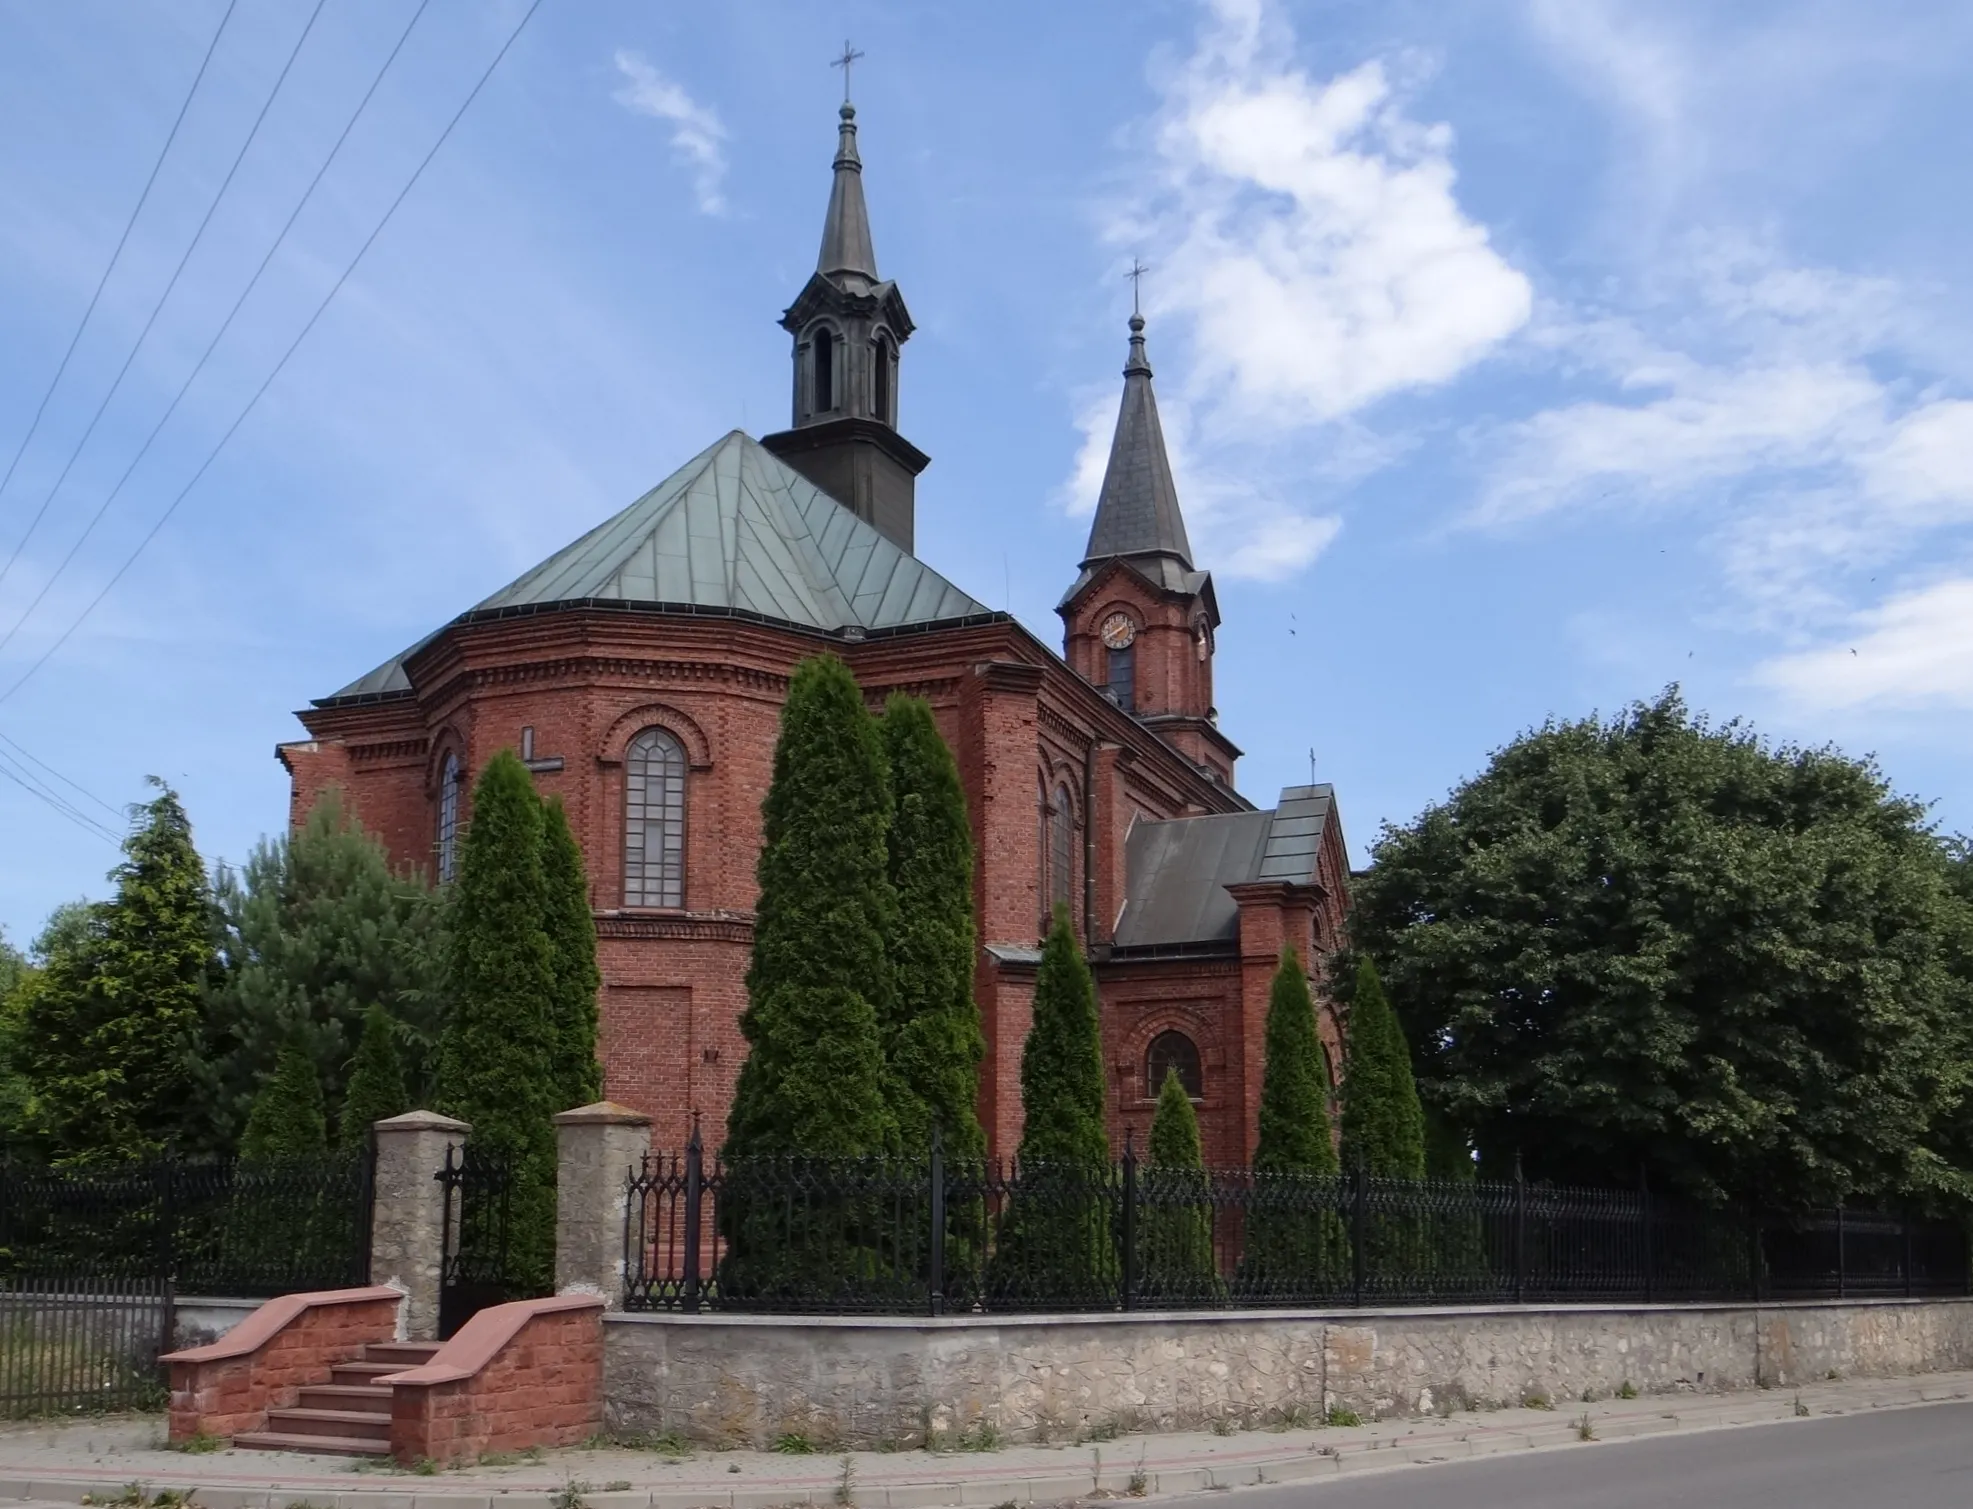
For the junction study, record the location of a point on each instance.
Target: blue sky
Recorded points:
(1519, 357)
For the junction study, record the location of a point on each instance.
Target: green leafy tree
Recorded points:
(17, 979)
(498, 1053)
(317, 929)
(112, 1024)
(1652, 940)
(571, 929)
(1055, 1238)
(1175, 1210)
(813, 1084)
(288, 1119)
(1383, 1121)
(1295, 1242)
(376, 1081)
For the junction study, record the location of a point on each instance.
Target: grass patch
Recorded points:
(793, 1444)
(570, 1495)
(511, 1458)
(198, 1445)
(1627, 1390)
(1585, 1430)
(1341, 1416)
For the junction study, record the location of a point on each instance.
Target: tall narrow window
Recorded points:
(448, 818)
(654, 821)
(1061, 847)
(825, 371)
(1123, 676)
(883, 381)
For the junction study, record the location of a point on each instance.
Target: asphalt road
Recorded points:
(1919, 1458)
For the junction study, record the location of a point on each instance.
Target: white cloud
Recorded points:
(1913, 652)
(698, 136)
(1319, 250)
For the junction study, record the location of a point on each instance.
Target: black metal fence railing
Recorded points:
(253, 1229)
(73, 1343)
(890, 1236)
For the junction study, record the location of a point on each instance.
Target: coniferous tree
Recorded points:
(288, 1119)
(572, 930)
(1055, 1239)
(317, 928)
(813, 1084)
(1383, 1122)
(1295, 1240)
(1175, 1213)
(496, 1059)
(112, 1025)
(376, 1082)
(933, 1043)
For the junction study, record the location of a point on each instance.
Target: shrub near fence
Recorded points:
(875, 1237)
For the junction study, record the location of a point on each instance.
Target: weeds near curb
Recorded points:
(196, 1446)
(846, 1483)
(1801, 1409)
(1627, 1390)
(1340, 1416)
(793, 1444)
(1585, 1430)
(617, 1485)
(571, 1495)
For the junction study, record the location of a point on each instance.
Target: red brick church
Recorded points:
(640, 673)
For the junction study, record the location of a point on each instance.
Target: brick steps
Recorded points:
(349, 1415)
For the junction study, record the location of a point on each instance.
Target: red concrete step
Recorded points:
(332, 1446)
(405, 1354)
(365, 1372)
(365, 1398)
(360, 1425)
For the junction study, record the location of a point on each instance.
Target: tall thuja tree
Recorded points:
(496, 1059)
(1055, 1241)
(288, 1119)
(376, 1082)
(1295, 1242)
(1383, 1121)
(317, 929)
(571, 929)
(1175, 1212)
(112, 1025)
(818, 989)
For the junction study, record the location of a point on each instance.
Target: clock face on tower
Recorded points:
(1118, 631)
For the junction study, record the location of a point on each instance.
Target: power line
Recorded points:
(128, 226)
(158, 308)
(21, 750)
(40, 790)
(260, 392)
(213, 345)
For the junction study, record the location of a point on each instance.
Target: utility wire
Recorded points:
(128, 226)
(158, 308)
(260, 392)
(54, 800)
(225, 325)
(22, 750)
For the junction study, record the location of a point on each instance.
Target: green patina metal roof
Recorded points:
(734, 529)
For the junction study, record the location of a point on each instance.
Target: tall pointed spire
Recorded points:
(846, 244)
(1137, 512)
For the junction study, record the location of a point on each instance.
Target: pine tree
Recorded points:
(376, 1082)
(1055, 1240)
(1295, 1241)
(497, 1056)
(1175, 1212)
(933, 1042)
(1383, 1122)
(571, 929)
(112, 1025)
(317, 929)
(288, 1119)
(813, 1084)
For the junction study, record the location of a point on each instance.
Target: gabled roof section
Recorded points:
(733, 529)
(1176, 872)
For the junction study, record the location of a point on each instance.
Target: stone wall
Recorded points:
(744, 1380)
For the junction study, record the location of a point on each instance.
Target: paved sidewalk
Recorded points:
(59, 1463)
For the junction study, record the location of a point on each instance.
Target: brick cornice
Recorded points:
(729, 927)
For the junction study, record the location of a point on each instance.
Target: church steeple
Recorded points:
(849, 326)
(1140, 619)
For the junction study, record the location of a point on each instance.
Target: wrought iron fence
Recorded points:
(73, 1343)
(887, 1236)
(486, 1262)
(247, 1228)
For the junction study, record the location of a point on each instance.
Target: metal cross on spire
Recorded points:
(850, 55)
(1136, 276)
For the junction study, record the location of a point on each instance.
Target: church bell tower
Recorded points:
(849, 326)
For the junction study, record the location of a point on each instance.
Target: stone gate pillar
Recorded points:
(407, 1213)
(596, 1148)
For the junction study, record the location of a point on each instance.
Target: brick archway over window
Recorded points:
(1173, 1050)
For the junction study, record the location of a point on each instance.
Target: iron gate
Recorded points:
(477, 1271)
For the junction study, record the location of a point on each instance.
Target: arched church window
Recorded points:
(654, 821)
(1121, 677)
(883, 380)
(825, 370)
(1173, 1051)
(1061, 847)
(448, 818)
(1041, 851)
